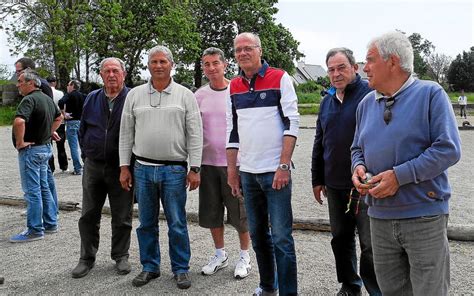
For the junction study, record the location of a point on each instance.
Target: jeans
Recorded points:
(462, 110)
(168, 184)
(343, 226)
(72, 130)
(40, 207)
(275, 243)
(411, 256)
(99, 181)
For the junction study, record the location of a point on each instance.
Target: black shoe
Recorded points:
(346, 291)
(122, 266)
(182, 280)
(143, 278)
(82, 269)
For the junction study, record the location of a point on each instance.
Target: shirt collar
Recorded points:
(261, 72)
(167, 90)
(410, 80)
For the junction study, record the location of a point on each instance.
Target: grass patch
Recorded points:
(308, 98)
(455, 95)
(7, 113)
(308, 110)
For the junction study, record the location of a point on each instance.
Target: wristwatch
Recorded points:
(195, 169)
(284, 167)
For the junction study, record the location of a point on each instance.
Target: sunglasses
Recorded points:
(387, 113)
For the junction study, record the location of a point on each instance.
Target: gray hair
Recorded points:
(30, 75)
(395, 43)
(249, 35)
(75, 83)
(161, 49)
(213, 51)
(102, 63)
(345, 51)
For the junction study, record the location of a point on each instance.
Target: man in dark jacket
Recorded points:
(98, 137)
(331, 173)
(71, 106)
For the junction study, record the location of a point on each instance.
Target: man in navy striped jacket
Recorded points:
(262, 124)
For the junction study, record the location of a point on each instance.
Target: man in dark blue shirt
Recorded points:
(331, 173)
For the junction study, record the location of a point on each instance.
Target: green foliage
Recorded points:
(308, 98)
(5, 74)
(7, 113)
(422, 49)
(310, 86)
(455, 95)
(461, 71)
(218, 22)
(308, 110)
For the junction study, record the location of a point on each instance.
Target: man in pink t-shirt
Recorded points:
(214, 193)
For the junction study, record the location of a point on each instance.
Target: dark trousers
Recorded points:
(343, 243)
(99, 181)
(62, 156)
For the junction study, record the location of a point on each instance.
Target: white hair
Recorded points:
(249, 35)
(102, 63)
(161, 49)
(395, 43)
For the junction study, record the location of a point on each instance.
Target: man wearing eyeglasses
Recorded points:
(407, 137)
(36, 119)
(262, 123)
(331, 173)
(99, 140)
(161, 124)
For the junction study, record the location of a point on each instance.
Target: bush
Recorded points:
(308, 87)
(7, 113)
(308, 98)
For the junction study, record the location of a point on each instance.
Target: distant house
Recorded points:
(307, 72)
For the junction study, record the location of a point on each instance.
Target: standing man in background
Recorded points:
(72, 104)
(262, 124)
(214, 193)
(35, 121)
(462, 104)
(62, 156)
(331, 174)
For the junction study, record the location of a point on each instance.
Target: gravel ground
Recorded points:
(43, 267)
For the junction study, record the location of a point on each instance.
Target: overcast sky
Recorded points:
(321, 25)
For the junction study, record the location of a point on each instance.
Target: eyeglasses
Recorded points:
(245, 49)
(387, 113)
(340, 68)
(150, 95)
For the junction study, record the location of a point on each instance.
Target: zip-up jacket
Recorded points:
(335, 126)
(100, 127)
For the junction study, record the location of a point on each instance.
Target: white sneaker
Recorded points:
(260, 292)
(242, 268)
(215, 263)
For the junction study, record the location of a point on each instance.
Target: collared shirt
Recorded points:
(410, 80)
(162, 125)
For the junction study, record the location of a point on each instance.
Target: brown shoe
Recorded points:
(144, 278)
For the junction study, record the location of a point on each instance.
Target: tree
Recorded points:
(422, 49)
(438, 65)
(461, 71)
(218, 22)
(5, 74)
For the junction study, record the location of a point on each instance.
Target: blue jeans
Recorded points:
(343, 226)
(168, 184)
(40, 206)
(411, 256)
(275, 243)
(72, 134)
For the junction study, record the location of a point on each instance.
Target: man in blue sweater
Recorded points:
(407, 137)
(331, 173)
